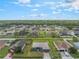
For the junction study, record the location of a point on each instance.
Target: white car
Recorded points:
(67, 54)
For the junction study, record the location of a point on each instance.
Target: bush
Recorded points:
(72, 50)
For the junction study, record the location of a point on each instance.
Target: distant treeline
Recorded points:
(68, 23)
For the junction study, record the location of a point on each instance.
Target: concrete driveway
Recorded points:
(64, 56)
(46, 56)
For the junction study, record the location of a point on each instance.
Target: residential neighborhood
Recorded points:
(25, 41)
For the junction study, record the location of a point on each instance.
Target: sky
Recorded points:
(39, 9)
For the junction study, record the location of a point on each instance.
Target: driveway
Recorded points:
(66, 56)
(46, 56)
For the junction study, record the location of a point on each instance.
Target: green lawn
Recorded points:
(3, 52)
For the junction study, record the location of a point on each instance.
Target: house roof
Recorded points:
(76, 32)
(65, 32)
(76, 45)
(43, 45)
(19, 43)
(76, 29)
(61, 45)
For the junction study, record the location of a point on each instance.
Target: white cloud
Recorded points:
(34, 9)
(55, 12)
(75, 4)
(49, 3)
(55, 5)
(24, 1)
(33, 15)
(37, 5)
(69, 9)
(14, 2)
(33, 5)
(29, 5)
(41, 15)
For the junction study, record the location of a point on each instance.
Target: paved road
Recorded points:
(64, 56)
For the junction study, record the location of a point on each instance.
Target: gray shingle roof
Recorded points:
(76, 45)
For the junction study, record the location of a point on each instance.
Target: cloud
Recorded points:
(24, 1)
(55, 5)
(56, 12)
(67, 6)
(33, 15)
(75, 4)
(29, 5)
(40, 15)
(43, 15)
(69, 9)
(34, 9)
(37, 5)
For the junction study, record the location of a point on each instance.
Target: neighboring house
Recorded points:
(2, 33)
(76, 45)
(45, 28)
(18, 45)
(76, 31)
(65, 33)
(10, 32)
(40, 46)
(7, 32)
(61, 46)
(8, 42)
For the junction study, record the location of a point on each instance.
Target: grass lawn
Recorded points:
(3, 52)
(53, 51)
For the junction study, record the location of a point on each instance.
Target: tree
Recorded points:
(75, 39)
(72, 50)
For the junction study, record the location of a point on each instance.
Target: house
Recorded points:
(18, 45)
(65, 33)
(61, 46)
(2, 33)
(76, 45)
(76, 30)
(40, 46)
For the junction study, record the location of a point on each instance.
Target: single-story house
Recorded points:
(76, 31)
(18, 45)
(61, 46)
(76, 45)
(65, 33)
(40, 46)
